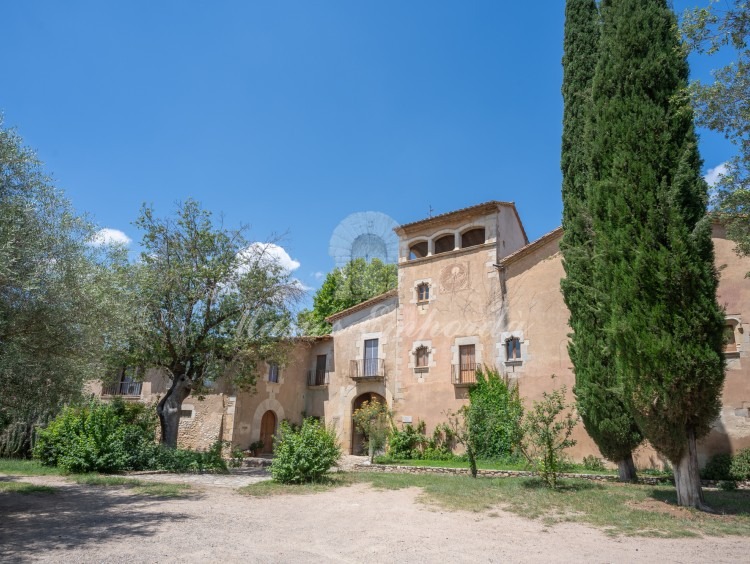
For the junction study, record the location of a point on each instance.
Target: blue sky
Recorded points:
(289, 116)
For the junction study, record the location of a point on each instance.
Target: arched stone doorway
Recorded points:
(267, 431)
(358, 438)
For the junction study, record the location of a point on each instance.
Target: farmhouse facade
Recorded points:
(472, 291)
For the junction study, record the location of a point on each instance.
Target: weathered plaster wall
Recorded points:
(375, 322)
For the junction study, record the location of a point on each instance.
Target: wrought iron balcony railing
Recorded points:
(317, 377)
(122, 389)
(464, 374)
(367, 369)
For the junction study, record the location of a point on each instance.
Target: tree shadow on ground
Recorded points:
(73, 516)
(735, 502)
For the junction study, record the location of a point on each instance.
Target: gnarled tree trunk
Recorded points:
(626, 469)
(169, 407)
(687, 478)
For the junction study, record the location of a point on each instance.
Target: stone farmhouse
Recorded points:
(472, 290)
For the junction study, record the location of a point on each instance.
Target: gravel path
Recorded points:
(353, 524)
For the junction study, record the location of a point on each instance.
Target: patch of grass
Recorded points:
(19, 467)
(141, 487)
(618, 509)
(24, 488)
(270, 488)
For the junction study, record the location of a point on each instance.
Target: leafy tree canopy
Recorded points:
(208, 303)
(60, 303)
(345, 287)
(723, 105)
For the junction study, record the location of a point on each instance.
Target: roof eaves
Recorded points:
(363, 305)
(525, 250)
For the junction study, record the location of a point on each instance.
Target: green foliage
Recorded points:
(593, 463)
(374, 420)
(728, 467)
(722, 106)
(227, 303)
(60, 296)
(740, 469)
(458, 422)
(652, 249)
(600, 403)
(99, 437)
(408, 443)
(718, 468)
(345, 287)
(116, 437)
(547, 429)
(306, 454)
(494, 415)
(412, 443)
(184, 461)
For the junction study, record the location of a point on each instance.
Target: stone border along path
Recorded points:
(253, 470)
(396, 469)
(256, 470)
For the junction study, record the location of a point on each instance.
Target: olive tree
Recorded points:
(209, 304)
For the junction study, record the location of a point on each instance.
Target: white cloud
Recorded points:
(108, 236)
(276, 254)
(714, 174)
(318, 275)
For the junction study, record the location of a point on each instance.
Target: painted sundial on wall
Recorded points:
(367, 235)
(454, 277)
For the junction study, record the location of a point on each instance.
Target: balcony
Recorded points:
(317, 377)
(367, 369)
(132, 389)
(464, 374)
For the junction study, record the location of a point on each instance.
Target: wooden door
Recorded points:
(267, 431)
(467, 363)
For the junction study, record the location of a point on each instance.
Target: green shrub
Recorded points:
(409, 443)
(494, 415)
(547, 431)
(304, 455)
(593, 463)
(740, 468)
(99, 437)
(183, 460)
(375, 421)
(718, 468)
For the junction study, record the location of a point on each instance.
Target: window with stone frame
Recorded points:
(273, 373)
(513, 349)
(422, 359)
(423, 293)
(730, 343)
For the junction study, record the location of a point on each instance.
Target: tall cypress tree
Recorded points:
(600, 403)
(653, 245)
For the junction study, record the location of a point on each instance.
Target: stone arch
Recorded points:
(357, 437)
(266, 405)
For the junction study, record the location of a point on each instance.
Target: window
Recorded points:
(730, 344)
(418, 250)
(472, 237)
(186, 413)
(423, 293)
(422, 358)
(273, 373)
(371, 358)
(513, 349)
(445, 243)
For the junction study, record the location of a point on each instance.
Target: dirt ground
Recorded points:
(353, 524)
